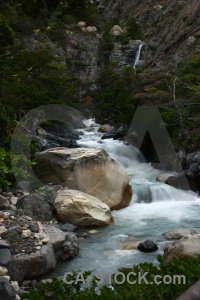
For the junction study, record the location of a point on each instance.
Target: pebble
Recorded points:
(46, 280)
(93, 231)
(3, 271)
(13, 200)
(3, 230)
(15, 285)
(26, 233)
(1, 214)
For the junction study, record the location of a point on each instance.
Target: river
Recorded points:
(154, 209)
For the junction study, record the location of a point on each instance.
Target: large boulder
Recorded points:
(91, 171)
(177, 234)
(81, 209)
(187, 246)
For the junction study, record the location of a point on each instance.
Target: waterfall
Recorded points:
(137, 57)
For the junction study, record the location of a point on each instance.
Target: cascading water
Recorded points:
(137, 57)
(154, 209)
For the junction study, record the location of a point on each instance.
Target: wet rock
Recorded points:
(1, 214)
(37, 206)
(105, 128)
(147, 246)
(187, 246)
(108, 135)
(130, 243)
(178, 233)
(6, 290)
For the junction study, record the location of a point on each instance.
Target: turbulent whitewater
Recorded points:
(154, 209)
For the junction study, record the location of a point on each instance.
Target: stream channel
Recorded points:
(154, 209)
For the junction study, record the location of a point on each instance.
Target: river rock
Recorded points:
(81, 209)
(91, 171)
(178, 233)
(7, 292)
(105, 128)
(130, 244)
(163, 177)
(23, 266)
(68, 227)
(187, 246)
(147, 246)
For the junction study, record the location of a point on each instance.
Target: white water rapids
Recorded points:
(155, 208)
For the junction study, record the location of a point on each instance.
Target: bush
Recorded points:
(189, 268)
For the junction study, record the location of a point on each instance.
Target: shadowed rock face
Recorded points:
(169, 27)
(91, 171)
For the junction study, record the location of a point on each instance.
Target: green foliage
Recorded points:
(115, 94)
(6, 170)
(6, 33)
(189, 267)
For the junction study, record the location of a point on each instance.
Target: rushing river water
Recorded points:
(154, 209)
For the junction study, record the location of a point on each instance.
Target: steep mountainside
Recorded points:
(170, 27)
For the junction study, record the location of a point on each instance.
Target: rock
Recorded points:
(23, 266)
(56, 236)
(4, 203)
(3, 271)
(26, 233)
(81, 24)
(108, 135)
(187, 246)
(178, 233)
(5, 256)
(147, 246)
(4, 244)
(186, 180)
(193, 293)
(6, 290)
(163, 177)
(1, 214)
(105, 128)
(116, 30)
(15, 286)
(37, 206)
(70, 247)
(81, 209)
(130, 244)
(34, 228)
(3, 231)
(91, 171)
(91, 29)
(93, 231)
(13, 200)
(68, 227)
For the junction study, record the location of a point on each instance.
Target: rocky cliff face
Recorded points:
(171, 28)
